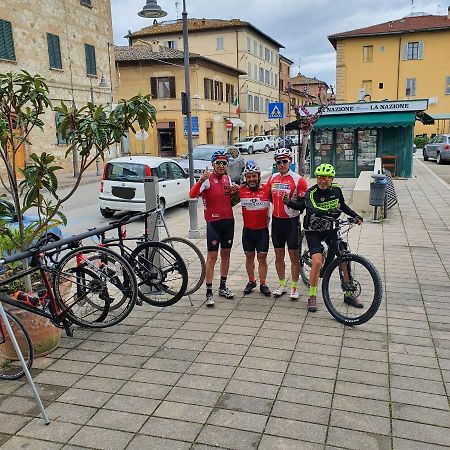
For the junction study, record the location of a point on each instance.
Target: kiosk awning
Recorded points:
(236, 122)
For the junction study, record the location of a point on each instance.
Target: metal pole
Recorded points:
(193, 219)
(97, 161)
(229, 130)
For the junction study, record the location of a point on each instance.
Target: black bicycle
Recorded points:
(344, 272)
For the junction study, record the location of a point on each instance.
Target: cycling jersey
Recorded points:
(255, 207)
(216, 196)
(324, 202)
(292, 184)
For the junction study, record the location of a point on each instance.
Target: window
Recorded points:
(276, 80)
(162, 87)
(59, 138)
(255, 72)
(249, 44)
(6, 41)
(250, 102)
(229, 92)
(91, 64)
(249, 71)
(266, 107)
(260, 50)
(367, 86)
(54, 51)
(281, 85)
(410, 87)
(170, 44)
(256, 104)
(261, 75)
(177, 171)
(218, 91)
(266, 77)
(86, 3)
(219, 43)
(380, 85)
(367, 53)
(267, 54)
(209, 89)
(447, 86)
(255, 48)
(413, 50)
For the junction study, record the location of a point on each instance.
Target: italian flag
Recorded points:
(236, 105)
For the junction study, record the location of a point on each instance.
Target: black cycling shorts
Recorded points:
(285, 231)
(255, 240)
(220, 232)
(315, 238)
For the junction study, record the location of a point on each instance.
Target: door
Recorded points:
(181, 182)
(167, 186)
(166, 139)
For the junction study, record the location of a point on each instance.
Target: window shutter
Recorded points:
(413, 86)
(205, 87)
(405, 51)
(172, 91)
(57, 48)
(6, 41)
(51, 52)
(154, 87)
(421, 45)
(220, 92)
(54, 51)
(90, 59)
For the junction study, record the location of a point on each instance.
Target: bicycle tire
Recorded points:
(10, 366)
(305, 258)
(156, 265)
(332, 287)
(191, 255)
(102, 287)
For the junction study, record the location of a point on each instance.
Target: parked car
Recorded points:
(202, 159)
(122, 185)
(438, 148)
(253, 144)
(272, 142)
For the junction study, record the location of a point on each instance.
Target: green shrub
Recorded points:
(421, 141)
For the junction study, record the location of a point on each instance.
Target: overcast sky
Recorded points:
(302, 26)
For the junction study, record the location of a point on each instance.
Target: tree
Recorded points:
(89, 131)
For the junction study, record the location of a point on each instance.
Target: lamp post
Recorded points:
(153, 10)
(102, 84)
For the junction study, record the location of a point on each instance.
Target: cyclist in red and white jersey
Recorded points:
(255, 233)
(216, 190)
(286, 186)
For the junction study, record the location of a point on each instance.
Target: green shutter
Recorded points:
(90, 59)
(54, 51)
(6, 41)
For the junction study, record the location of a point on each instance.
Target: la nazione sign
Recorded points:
(375, 107)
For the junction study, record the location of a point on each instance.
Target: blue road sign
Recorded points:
(276, 110)
(195, 127)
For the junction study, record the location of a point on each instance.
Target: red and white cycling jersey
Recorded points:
(216, 196)
(255, 207)
(292, 184)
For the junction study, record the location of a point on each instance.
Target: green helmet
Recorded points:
(325, 170)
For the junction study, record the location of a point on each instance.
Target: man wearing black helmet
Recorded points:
(255, 234)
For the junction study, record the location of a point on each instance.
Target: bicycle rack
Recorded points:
(24, 365)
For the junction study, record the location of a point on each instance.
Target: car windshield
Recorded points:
(124, 172)
(247, 139)
(204, 153)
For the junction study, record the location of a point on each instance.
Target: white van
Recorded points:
(122, 185)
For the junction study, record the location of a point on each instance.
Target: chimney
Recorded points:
(155, 46)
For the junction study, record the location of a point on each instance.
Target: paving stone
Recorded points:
(20, 443)
(211, 370)
(127, 403)
(297, 411)
(361, 405)
(155, 443)
(107, 347)
(99, 384)
(415, 413)
(232, 338)
(366, 366)
(418, 372)
(172, 429)
(169, 365)
(228, 438)
(293, 429)
(156, 332)
(19, 405)
(311, 383)
(117, 420)
(360, 422)
(71, 367)
(136, 350)
(312, 371)
(277, 442)
(316, 359)
(84, 397)
(109, 371)
(182, 411)
(55, 431)
(264, 364)
(11, 423)
(193, 396)
(218, 359)
(65, 412)
(356, 440)
(245, 403)
(185, 344)
(362, 390)
(421, 432)
(48, 392)
(238, 419)
(420, 399)
(231, 349)
(252, 389)
(405, 444)
(261, 376)
(147, 390)
(358, 376)
(156, 376)
(10, 386)
(84, 355)
(180, 355)
(412, 384)
(101, 438)
(305, 396)
(57, 378)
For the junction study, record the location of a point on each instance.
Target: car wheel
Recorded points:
(107, 213)
(250, 150)
(439, 159)
(266, 149)
(425, 156)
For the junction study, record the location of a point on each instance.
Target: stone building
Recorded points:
(69, 43)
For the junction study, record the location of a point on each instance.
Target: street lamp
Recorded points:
(152, 10)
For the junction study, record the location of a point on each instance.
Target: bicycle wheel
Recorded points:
(10, 366)
(193, 259)
(94, 287)
(161, 272)
(305, 259)
(364, 283)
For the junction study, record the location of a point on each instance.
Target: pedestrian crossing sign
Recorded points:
(276, 110)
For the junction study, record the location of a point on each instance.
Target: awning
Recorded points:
(268, 126)
(364, 120)
(236, 122)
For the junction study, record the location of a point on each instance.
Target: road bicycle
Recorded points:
(160, 270)
(342, 273)
(10, 367)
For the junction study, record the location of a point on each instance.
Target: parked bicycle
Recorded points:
(344, 272)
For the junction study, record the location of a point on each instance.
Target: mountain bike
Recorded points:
(342, 273)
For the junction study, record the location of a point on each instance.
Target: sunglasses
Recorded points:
(323, 178)
(221, 163)
(282, 161)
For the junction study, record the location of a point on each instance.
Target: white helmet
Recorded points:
(250, 167)
(282, 152)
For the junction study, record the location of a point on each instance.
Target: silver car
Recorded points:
(438, 148)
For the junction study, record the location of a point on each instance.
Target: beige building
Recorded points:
(237, 44)
(310, 86)
(69, 43)
(159, 70)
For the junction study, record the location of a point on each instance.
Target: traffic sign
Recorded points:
(195, 127)
(141, 135)
(276, 110)
(229, 125)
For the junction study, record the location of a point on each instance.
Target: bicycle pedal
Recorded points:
(139, 302)
(68, 330)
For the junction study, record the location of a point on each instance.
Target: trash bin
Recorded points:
(377, 189)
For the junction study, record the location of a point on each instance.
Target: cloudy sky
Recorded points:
(302, 26)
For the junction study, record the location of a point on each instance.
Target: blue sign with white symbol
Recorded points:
(195, 127)
(276, 110)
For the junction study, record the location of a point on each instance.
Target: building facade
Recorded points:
(69, 43)
(404, 59)
(237, 44)
(160, 71)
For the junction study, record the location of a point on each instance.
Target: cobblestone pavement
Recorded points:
(263, 373)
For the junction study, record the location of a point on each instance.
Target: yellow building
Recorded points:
(159, 70)
(403, 59)
(237, 44)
